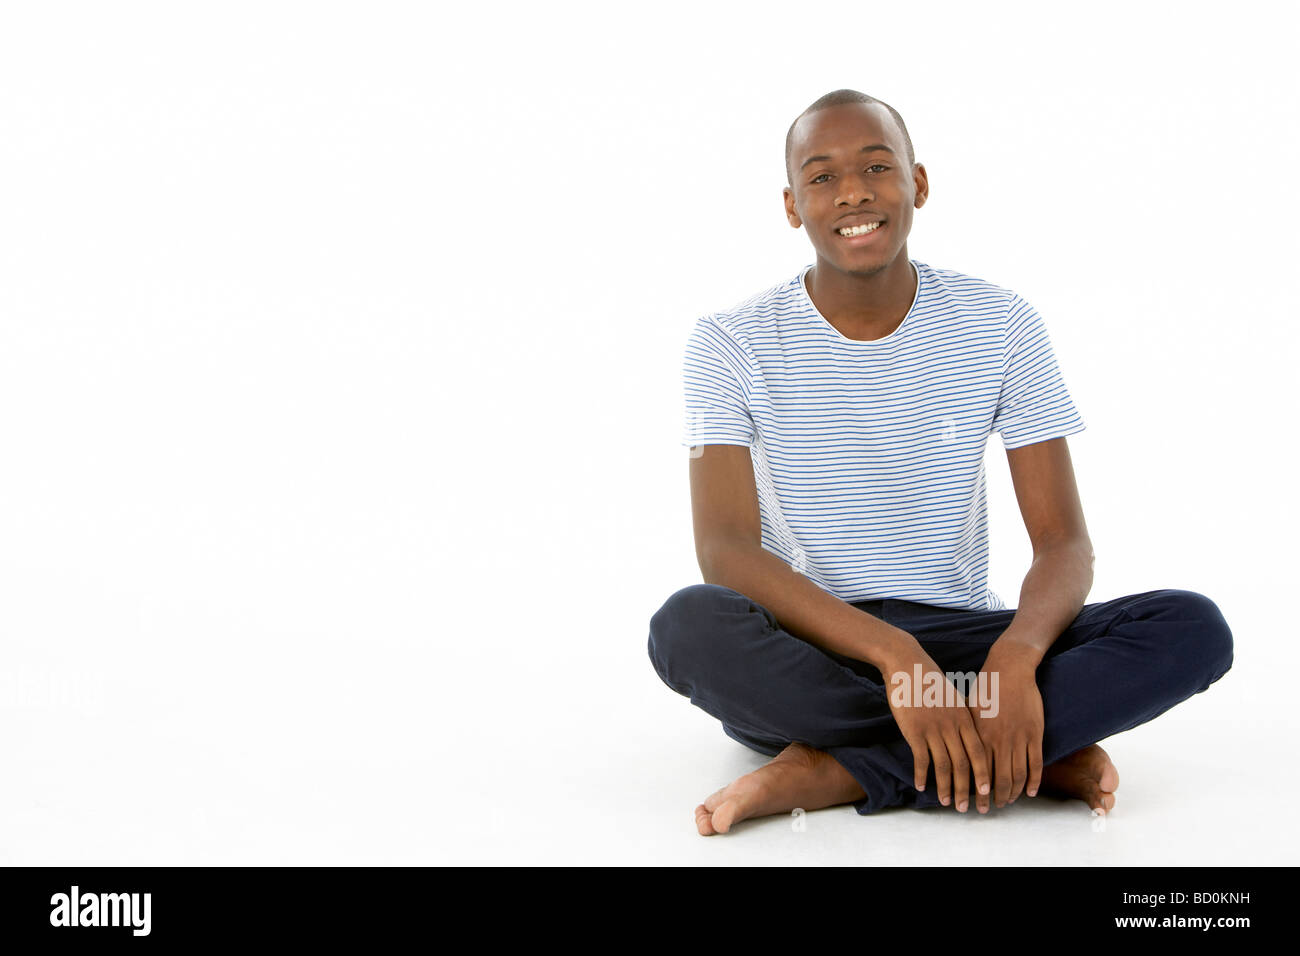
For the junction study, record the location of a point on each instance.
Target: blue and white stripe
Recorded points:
(869, 456)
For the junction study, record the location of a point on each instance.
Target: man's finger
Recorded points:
(979, 760)
(920, 762)
(1035, 766)
(960, 771)
(1019, 768)
(942, 769)
(1002, 772)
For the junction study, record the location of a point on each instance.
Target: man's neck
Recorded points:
(864, 307)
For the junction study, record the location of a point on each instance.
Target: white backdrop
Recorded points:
(340, 355)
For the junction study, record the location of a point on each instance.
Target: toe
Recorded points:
(1092, 796)
(724, 816)
(714, 800)
(1109, 779)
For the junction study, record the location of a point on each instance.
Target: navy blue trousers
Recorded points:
(1119, 664)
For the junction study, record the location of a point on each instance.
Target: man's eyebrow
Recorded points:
(864, 149)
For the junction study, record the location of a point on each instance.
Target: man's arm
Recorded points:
(728, 545)
(1053, 593)
(728, 536)
(1060, 575)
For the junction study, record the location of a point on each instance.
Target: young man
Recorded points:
(837, 425)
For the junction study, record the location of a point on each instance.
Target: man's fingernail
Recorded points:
(984, 788)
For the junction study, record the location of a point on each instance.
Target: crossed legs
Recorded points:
(826, 718)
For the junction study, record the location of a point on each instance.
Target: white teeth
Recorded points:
(859, 230)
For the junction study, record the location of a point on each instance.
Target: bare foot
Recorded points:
(799, 776)
(1087, 775)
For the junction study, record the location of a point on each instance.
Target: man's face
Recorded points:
(842, 180)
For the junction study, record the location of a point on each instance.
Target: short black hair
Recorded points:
(838, 98)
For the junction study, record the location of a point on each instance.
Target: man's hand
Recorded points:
(945, 735)
(1013, 737)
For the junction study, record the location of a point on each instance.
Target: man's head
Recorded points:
(841, 98)
(849, 164)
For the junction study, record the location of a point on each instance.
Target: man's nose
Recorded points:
(853, 190)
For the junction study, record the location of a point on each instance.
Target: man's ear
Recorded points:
(790, 214)
(921, 180)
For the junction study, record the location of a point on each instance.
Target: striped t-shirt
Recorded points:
(869, 456)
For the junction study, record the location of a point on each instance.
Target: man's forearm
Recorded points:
(802, 608)
(1051, 597)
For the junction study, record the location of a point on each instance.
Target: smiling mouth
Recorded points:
(850, 231)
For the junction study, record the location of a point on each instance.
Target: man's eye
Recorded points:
(821, 176)
(877, 166)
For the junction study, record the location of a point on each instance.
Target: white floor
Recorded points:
(1185, 799)
(571, 755)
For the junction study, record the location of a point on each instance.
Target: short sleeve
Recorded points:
(1034, 404)
(715, 378)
